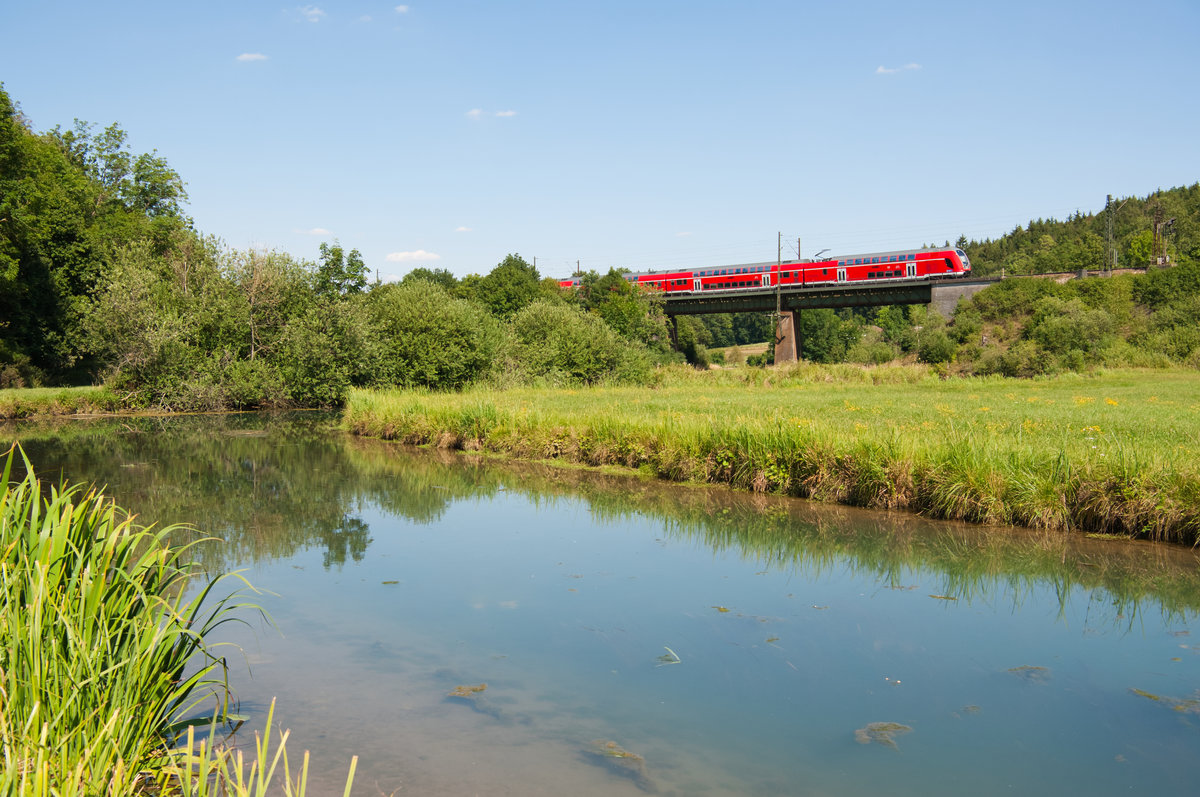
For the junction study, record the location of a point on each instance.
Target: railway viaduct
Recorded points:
(943, 295)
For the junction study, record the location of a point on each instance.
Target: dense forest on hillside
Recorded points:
(1049, 246)
(103, 279)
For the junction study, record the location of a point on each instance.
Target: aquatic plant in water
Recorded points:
(1032, 673)
(1184, 705)
(467, 691)
(884, 733)
(621, 762)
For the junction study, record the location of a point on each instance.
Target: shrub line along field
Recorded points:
(1112, 452)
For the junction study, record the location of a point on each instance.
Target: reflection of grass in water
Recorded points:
(883, 733)
(300, 485)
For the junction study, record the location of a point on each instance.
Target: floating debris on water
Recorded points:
(884, 733)
(971, 709)
(670, 657)
(467, 691)
(1032, 673)
(820, 608)
(389, 582)
(721, 609)
(1185, 705)
(772, 639)
(621, 762)
(944, 597)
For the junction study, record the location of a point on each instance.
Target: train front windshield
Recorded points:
(966, 261)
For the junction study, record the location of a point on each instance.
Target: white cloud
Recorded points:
(251, 57)
(406, 257)
(365, 18)
(479, 113)
(885, 70)
(462, 229)
(401, 9)
(682, 234)
(315, 231)
(311, 13)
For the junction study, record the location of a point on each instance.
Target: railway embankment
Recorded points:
(1112, 452)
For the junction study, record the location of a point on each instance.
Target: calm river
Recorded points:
(637, 638)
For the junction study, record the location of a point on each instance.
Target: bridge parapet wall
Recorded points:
(945, 296)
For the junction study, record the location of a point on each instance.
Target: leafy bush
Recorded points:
(935, 347)
(428, 339)
(871, 349)
(1065, 326)
(560, 344)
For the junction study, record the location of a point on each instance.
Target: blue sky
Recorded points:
(627, 134)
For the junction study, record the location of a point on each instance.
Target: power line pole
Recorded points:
(778, 262)
(797, 330)
(1109, 253)
(778, 297)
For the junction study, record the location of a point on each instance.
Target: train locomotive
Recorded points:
(909, 264)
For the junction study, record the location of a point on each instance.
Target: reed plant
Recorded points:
(104, 665)
(1112, 452)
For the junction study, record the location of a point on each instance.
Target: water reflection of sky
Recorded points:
(1012, 662)
(565, 620)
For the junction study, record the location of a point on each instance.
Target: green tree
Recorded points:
(438, 276)
(511, 285)
(1141, 248)
(692, 339)
(339, 272)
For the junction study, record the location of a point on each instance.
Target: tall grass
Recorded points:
(103, 664)
(1115, 452)
(45, 402)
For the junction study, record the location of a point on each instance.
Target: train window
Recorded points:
(825, 271)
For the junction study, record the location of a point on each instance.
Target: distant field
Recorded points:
(736, 355)
(1115, 452)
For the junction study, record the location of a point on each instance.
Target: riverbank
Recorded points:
(45, 402)
(1112, 452)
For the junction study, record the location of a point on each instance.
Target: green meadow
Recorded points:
(1111, 452)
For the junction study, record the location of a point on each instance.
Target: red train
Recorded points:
(899, 265)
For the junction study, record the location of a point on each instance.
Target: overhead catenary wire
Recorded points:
(844, 241)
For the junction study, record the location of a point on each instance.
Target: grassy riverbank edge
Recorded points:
(1110, 453)
(52, 402)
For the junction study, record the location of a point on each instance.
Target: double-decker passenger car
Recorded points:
(908, 264)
